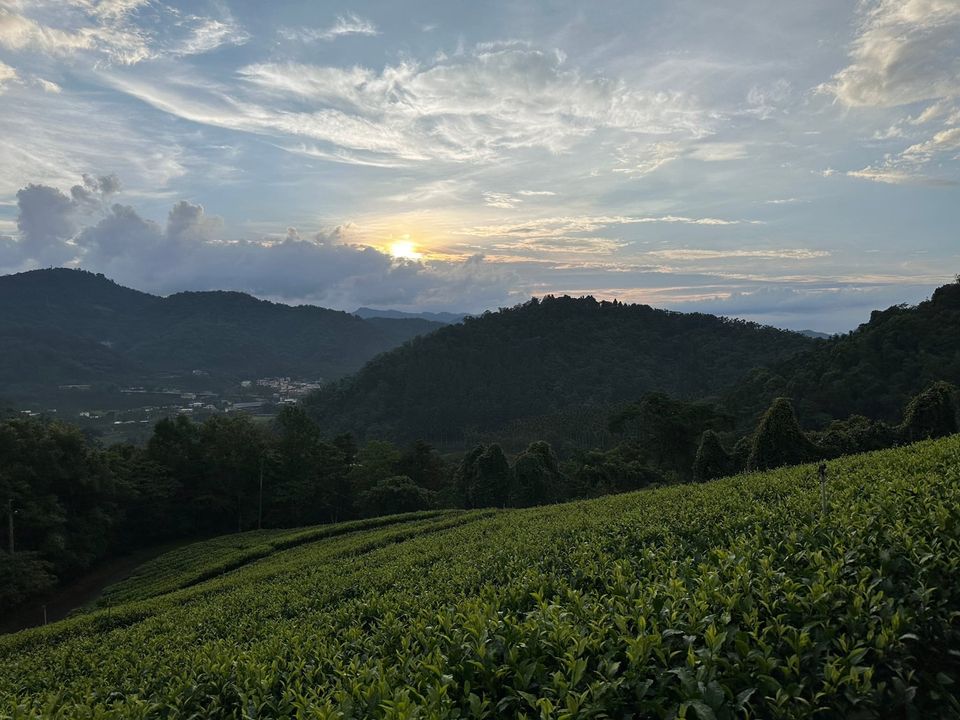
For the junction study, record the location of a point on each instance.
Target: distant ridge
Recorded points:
(815, 334)
(63, 326)
(447, 318)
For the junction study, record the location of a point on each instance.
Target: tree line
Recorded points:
(71, 502)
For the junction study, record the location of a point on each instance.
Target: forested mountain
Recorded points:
(541, 358)
(872, 371)
(63, 326)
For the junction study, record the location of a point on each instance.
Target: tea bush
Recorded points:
(737, 598)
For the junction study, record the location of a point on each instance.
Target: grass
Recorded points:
(736, 598)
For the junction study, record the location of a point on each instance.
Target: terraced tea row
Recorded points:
(737, 598)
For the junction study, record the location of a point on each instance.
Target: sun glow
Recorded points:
(404, 250)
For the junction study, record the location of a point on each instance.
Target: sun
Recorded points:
(404, 250)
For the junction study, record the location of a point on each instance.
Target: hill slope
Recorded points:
(540, 358)
(66, 326)
(873, 370)
(710, 600)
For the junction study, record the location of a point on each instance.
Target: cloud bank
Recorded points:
(190, 252)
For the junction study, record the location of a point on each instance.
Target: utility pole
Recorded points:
(260, 502)
(10, 524)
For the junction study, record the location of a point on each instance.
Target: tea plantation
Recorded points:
(738, 598)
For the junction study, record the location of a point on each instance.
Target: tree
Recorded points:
(667, 430)
(149, 495)
(931, 414)
(537, 476)
(740, 454)
(423, 465)
(346, 443)
(392, 495)
(231, 447)
(22, 576)
(484, 478)
(712, 461)
(622, 469)
(779, 440)
(308, 477)
(67, 505)
(856, 434)
(375, 460)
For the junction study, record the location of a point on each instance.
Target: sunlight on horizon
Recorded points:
(405, 249)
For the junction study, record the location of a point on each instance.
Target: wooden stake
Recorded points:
(822, 472)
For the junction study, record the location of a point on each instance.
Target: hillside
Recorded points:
(871, 371)
(541, 358)
(728, 599)
(65, 326)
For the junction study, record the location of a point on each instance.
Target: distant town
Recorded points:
(129, 413)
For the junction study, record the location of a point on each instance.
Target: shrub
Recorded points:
(931, 414)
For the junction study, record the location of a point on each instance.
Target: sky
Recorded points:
(796, 164)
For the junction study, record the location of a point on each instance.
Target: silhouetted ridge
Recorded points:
(63, 326)
(543, 357)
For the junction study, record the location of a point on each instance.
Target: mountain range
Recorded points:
(63, 326)
(447, 318)
(557, 360)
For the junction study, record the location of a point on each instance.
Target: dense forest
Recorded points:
(557, 368)
(541, 359)
(62, 326)
(872, 371)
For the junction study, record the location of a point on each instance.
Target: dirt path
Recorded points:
(64, 600)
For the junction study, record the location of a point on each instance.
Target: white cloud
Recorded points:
(40, 142)
(719, 151)
(909, 166)
(765, 101)
(500, 200)
(349, 24)
(906, 51)
(7, 74)
(944, 141)
(480, 106)
(881, 174)
(565, 226)
(680, 254)
(109, 35)
(110, 31)
(637, 158)
(190, 252)
(49, 86)
(507, 200)
(206, 34)
(432, 191)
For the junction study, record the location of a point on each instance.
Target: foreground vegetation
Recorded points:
(75, 503)
(734, 598)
